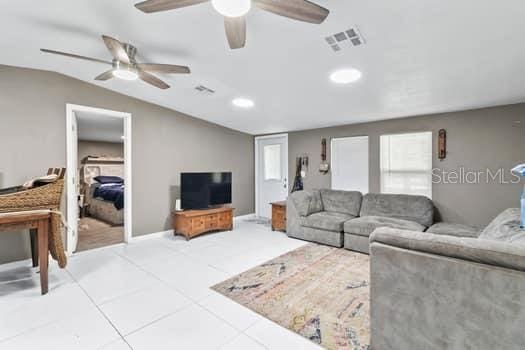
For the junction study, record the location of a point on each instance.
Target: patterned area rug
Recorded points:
(319, 292)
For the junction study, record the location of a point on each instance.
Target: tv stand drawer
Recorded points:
(211, 222)
(198, 225)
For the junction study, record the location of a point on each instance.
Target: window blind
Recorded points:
(406, 163)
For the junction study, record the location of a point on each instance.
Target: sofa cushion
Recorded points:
(310, 234)
(399, 206)
(357, 243)
(325, 220)
(348, 202)
(365, 225)
(505, 228)
(307, 202)
(449, 229)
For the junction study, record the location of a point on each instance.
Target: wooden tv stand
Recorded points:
(192, 223)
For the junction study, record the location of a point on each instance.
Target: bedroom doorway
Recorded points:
(98, 178)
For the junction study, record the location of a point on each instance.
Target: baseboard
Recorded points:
(244, 217)
(152, 235)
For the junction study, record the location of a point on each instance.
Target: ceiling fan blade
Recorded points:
(105, 76)
(116, 48)
(163, 68)
(301, 10)
(165, 5)
(235, 31)
(153, 80)
(72, 55)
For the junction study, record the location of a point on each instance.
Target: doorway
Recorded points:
(271, 172)
(98, 178)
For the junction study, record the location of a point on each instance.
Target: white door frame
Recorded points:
(72, 201)
(257, 160)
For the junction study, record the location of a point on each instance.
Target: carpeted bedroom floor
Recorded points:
(93, 233)
(319, 292)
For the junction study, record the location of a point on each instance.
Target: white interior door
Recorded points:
(350, 164)
(271, 172)
(72, 181)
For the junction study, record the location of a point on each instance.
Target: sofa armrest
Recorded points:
(293, 218)
(472, 249)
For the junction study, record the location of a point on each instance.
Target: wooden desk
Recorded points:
(38, 222)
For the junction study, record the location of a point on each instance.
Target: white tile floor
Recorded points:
(151, 294)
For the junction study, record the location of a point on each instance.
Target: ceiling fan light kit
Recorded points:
(125, 66)
(234, 12)
(232, 8)
(123, 72)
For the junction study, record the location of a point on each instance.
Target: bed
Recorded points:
(105, 201)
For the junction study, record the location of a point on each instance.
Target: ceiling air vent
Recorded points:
(345, 39)
(204, 89)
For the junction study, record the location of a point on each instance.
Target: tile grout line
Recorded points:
(154, 276)
(241, 332)
(255, 340)
(159, 319)
(101, 312)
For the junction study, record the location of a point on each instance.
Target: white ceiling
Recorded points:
(101, 128)
(421, 57)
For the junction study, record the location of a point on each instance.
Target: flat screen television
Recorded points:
(205, 190)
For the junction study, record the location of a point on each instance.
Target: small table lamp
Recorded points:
(520, 171)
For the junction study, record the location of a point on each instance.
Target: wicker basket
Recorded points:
(45, 197)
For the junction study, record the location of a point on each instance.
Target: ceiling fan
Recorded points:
(234, 12)
(124, 65)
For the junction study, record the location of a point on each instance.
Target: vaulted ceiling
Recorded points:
(420, 57)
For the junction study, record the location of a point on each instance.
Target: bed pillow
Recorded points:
(108, 179)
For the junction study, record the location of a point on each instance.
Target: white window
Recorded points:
(350, 164)
(406, 163)
(272, 162)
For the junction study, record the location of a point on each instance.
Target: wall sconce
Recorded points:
(324, 167)
(442, 144)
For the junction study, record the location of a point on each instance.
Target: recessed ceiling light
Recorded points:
(345, 76)
(243, 102)
(232, 8)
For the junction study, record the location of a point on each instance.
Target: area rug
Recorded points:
(319, 292)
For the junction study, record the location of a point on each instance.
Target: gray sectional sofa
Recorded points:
(432, 285)
(435, 291)
(346, 218)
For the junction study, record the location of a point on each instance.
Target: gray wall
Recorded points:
(478, 139)
(165, 143)
(96, 148)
